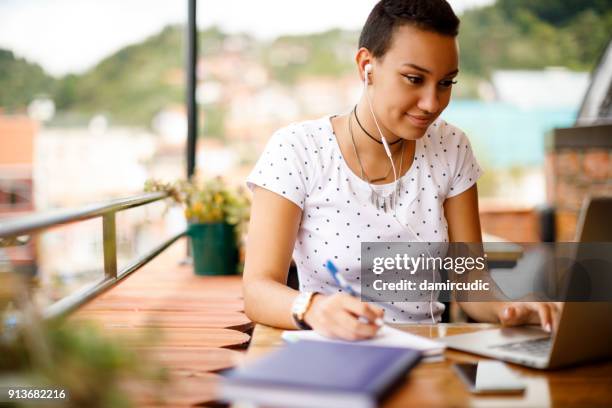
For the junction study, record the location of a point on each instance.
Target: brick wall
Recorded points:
(579, 164)
(510, 222)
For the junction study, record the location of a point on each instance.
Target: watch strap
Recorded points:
(301, 304)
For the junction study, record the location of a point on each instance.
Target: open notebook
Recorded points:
(386, 337)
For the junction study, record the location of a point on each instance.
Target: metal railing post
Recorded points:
(191, 85)
(109, 234)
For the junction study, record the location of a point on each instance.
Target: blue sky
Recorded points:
(72, 35)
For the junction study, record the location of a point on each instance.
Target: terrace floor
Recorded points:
(193, 325)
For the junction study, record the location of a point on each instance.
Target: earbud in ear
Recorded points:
(366, 71)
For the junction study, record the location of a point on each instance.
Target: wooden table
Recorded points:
(191, 325)
(436, 384)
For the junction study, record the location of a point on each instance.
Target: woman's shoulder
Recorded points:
(444, 132)
(449, 147)
(304, 141)
(445, 139)
(305, 132)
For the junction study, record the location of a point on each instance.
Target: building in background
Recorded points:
(17, 138)
(579, 158)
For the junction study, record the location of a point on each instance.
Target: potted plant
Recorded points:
(217, 215)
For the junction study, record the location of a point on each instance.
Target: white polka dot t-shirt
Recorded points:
(303, 163)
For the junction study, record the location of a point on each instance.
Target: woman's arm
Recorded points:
(271, 236)
(463, 220)
(461, 213)
(272, 232)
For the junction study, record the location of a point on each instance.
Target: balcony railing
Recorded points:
(20, 230)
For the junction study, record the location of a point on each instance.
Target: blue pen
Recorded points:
(339, 279)
(344, 285)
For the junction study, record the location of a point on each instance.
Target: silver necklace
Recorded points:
(379, 201)
(374, 180)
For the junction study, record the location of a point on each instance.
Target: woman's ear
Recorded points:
(363, 58)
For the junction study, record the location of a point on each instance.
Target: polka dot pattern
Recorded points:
(303, 163)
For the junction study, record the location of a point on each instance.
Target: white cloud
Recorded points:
(73, 35)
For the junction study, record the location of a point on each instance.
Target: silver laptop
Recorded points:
(585, 328)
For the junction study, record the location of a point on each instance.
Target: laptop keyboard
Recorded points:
(537, 347)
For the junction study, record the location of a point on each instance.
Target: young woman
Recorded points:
(323, 186)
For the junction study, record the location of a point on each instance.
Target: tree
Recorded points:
(555, 11)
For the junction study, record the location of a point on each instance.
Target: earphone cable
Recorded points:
(368, 133)
(395, 192)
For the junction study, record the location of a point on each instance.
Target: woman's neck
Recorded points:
(371, 146)
(372, 154)
(371, 127)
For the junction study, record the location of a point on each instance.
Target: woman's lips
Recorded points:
(419, 122)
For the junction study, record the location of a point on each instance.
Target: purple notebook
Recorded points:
(320, 374)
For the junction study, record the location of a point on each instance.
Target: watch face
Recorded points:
(299, 308)
(300, 304)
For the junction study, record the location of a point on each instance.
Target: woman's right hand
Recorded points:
(338, 316)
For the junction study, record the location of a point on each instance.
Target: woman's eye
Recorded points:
(448, 83)
(413, 79)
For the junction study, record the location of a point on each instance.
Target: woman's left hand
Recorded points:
(518, 313)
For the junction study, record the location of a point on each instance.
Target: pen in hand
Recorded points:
(344, 285)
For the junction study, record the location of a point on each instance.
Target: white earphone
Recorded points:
(367, 69)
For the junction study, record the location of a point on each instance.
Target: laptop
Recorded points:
(585, 328)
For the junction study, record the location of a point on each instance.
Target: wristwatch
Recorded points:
(300, 307)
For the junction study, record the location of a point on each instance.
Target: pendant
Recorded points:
(388, 202)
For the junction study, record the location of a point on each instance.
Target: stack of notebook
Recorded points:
(320, 374)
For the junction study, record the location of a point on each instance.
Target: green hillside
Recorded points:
(139, 80)
(527, 34)
(132, 84)
(329, 53)
(21, 81)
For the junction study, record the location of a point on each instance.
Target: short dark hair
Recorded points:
(430, 15)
